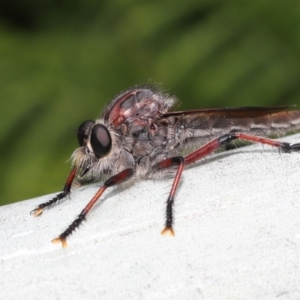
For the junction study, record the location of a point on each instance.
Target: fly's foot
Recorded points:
(288, 148)
(36, 212)
(168, 230)
(295, 147)
(61, 240)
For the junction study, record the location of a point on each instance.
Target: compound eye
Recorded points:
(100, 140)
(82, 132)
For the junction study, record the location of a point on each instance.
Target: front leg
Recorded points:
(66, 191)
(114, 180)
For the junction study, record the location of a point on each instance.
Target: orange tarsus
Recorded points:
(60, 240)
(37, 212)
(168, 231)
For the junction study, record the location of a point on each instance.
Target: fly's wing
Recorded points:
(199, 126)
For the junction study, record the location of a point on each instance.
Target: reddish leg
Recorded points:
(114, 180)
(204, 151)
(39, 210)
(167, 163)
(227, 138)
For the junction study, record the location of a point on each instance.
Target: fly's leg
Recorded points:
(205, 150)
(167, 163)
(285, 147)
(227, 138)
(66, 190)
(114, 180)
(181, 162)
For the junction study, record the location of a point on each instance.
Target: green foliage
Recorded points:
(61, 61)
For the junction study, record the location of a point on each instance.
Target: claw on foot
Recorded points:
(60, 240)
(168, 231)
(37, 212)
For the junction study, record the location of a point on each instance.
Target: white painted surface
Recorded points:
(237, 237)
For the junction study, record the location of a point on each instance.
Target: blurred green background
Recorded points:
(62, 61)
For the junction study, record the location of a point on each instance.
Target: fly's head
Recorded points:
(95, 155)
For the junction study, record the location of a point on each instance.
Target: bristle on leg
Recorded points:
(61, 240)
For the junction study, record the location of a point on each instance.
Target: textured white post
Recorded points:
(237, 236)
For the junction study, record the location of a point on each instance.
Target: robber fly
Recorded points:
(140, 136)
